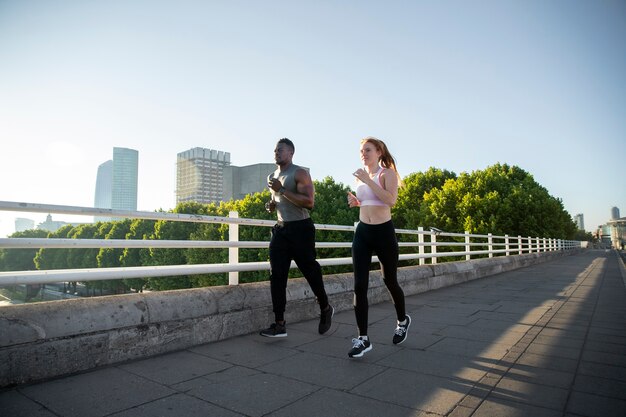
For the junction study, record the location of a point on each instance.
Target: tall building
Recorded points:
(249, 179)
(104, 181)
(124, 179)
(200, 175)
(206, 176)
(614, 213)
(580, 221)
(116, 183)
(22, 224)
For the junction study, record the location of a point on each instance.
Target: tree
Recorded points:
(583, 236)
(174, 230)
(500, 199)
(331, 207)
(408, 212)
(111, 257)
(48, 258)
(139, 229)
(21, 259)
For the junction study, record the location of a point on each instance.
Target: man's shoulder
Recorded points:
(300, 170)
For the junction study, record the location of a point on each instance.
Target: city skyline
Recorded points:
(613, 211)
(456, 86)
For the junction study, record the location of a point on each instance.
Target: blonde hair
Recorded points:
(386, 159)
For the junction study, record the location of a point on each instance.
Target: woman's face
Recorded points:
(369, 154)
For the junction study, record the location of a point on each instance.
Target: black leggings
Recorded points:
(381, 239)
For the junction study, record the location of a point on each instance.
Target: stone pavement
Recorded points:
(547, 340)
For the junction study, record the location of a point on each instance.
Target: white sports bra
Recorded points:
(365, 194)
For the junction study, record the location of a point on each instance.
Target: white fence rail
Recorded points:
(472, 245)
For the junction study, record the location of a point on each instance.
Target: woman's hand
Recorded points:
(352, 200)
(362, 175)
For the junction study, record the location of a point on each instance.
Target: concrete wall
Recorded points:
(48, 339)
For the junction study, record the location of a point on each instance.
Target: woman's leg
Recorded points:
(361, 260)
(387, 252)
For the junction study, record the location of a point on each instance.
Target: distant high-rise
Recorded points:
(206, 176)
(249, 179)
(116, 184)
(614, 213)
(103, 188)
(580, 221)
(200, 175)
(124, 179)
(22, 224)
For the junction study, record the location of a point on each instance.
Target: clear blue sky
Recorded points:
(458, 85)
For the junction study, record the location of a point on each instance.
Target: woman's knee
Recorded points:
(391, 283)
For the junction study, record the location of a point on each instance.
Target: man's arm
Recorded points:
(305, 191)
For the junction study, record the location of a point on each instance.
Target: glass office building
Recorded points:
(124, 179)
(116, 183)
(206, 176)
(200, 175)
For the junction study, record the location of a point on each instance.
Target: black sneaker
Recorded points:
(275, 330)
(401, 331)
(359, 347)
(326, 319)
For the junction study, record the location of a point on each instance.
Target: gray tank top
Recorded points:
(286, 210)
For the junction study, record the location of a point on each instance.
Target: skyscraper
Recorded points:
(116, 183)
(614, 213)
(580, 221)
(103, 188)
(124, 179)
(206, 176)
(200, 175)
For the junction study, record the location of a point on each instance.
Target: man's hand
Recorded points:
(270, 206)
(275, 184)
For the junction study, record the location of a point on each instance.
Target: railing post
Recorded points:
(490, 244)
(545, 244)
(506, 245)
(520, 244)
(420, 240)
(468, 247)
(433, 249)
(233, 253)
(530, 245)
(538, 244)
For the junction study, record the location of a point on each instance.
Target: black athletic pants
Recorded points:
(294, 241)
(380, 239)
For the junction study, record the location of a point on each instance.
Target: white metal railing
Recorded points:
(471, 245)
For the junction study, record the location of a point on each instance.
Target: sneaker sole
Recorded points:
(362, 353)
(407, 332)
(274, 335)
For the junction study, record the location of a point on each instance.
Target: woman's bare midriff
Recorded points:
(375, 214)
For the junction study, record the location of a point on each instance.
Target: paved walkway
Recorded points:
(548, 340)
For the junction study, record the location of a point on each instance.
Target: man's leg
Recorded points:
(280, 261)
(303, 244)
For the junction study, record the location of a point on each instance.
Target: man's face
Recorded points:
(282, 153)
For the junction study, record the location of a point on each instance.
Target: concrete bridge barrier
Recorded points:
(49, 339)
